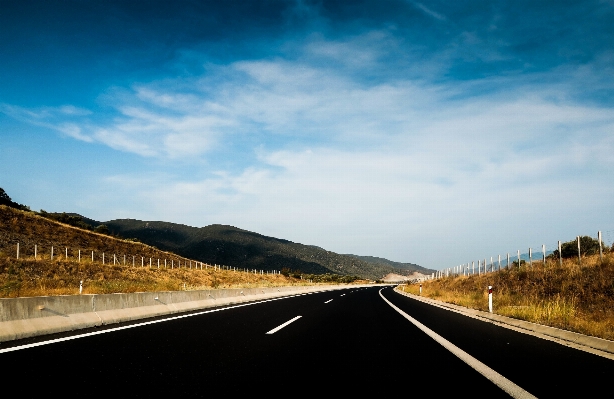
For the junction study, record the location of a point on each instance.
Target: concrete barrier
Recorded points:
(34, 316)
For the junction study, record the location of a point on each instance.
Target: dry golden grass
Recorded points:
(573, 297)
(30, 276)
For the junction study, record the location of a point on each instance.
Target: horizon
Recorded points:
(426, 133)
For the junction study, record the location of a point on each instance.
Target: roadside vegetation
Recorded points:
(575, 296)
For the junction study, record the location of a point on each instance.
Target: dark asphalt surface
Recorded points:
(354, 344)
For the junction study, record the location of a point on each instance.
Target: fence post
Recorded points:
(17, 250)
(530, 257)
(579, 253)
(600, 247)
(92, 256)
(519, 259)
(35, 248)
(103, 258)
(79, 256)
(560, 256)
(51, 253)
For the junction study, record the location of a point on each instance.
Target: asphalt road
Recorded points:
(347, 341)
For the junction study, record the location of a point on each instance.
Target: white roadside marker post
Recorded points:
(490, 298)
(17, 250)
(420, 288)
(80, 287)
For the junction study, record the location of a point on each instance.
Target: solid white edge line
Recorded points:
(508, 386)
(273, 331)
(328, 301)
(53, 341)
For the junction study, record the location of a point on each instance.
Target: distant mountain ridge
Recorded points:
(395, 265)
(228, 245)
(231, 246)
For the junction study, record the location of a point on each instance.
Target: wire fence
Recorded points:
(535, 254)
(88, 256)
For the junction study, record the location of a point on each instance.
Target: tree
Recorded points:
(6, 200)
(102, 229)
(569, 249)
(4, 196)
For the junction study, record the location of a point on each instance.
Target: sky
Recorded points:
(433, 132)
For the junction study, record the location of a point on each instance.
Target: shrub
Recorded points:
(569, 249)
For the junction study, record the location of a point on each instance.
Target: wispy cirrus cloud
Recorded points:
(428, 11)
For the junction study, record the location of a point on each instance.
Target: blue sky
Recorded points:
(436, 133)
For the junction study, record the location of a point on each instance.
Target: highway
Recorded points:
(350, 340)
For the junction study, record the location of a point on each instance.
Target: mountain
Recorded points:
(231, 246)
(228, 245)
(401, 268)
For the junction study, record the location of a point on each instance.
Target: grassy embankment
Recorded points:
(573, 297)
(61, 275)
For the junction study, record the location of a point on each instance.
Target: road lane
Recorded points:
(355, 341)
(542, 367)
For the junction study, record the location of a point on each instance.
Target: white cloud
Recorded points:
(395, 168)
(428, 11)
